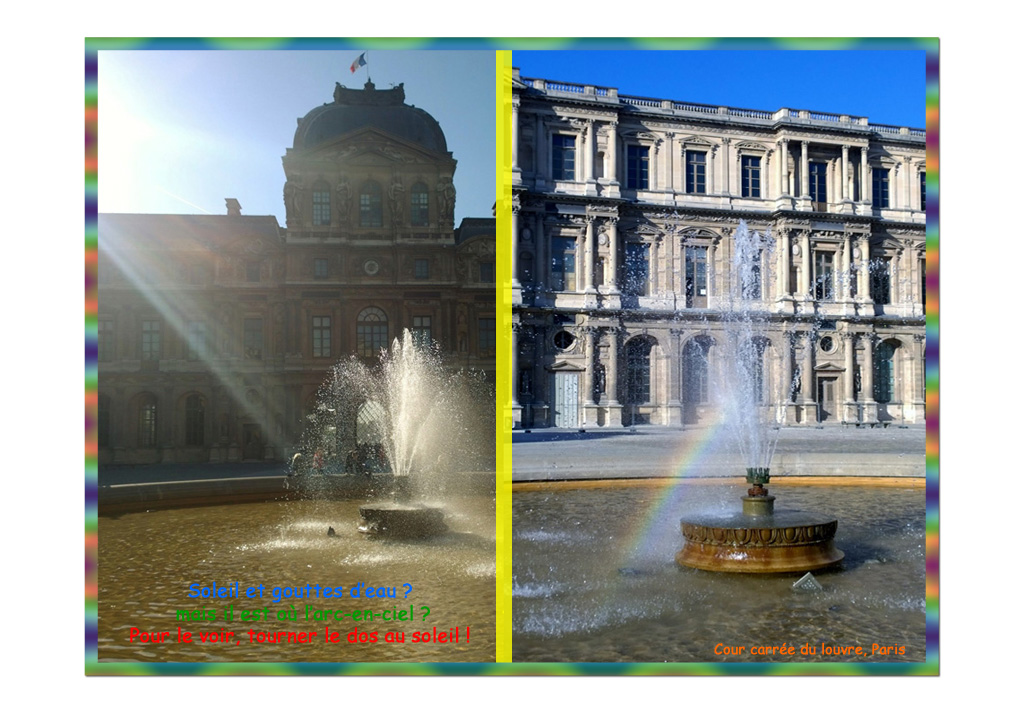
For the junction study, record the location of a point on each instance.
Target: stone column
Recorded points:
(670, 161)
(613, 152)
(785, 253)
(865, 176)
(590, 361)
(850, 414)
(867, 379)
(540, 156)
(540, 261)
(787, 377)
(863, 294)
(844, 188)
(588, 258)
(805, 178)
(807, 370)
(784, 183)
(805, 265)
(711, 185)
(515, 135)
(920, 374)
(612, 382)
(515, 246)
(514, 339)
(726, 160)
(613, 256)
(674, 402)
(589, 143)
(588, 368)
(847, 250)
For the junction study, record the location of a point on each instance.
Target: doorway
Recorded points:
(567, 398)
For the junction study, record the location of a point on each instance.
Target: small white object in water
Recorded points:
(807, 583)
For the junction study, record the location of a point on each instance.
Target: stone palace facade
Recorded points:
(215, 332)
(625, 211)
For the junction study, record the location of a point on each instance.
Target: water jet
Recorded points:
(757, 539)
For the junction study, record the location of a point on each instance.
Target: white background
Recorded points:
(43, 357)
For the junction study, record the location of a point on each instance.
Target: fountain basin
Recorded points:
(402, 521)
(782, 542)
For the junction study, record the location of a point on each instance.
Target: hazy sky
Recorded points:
(887, 86)
(180, 131)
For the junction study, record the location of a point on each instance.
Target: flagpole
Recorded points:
(368, 78)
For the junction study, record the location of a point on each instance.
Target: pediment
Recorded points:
(828, 368)
(564, 366)
(697, 141)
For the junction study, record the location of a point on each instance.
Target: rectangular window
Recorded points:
(252, 271)
(923, 190)
(637, 163)
(697, 277)
(881, 280)
(880, 187)
(696, 165)
(252, 338)
(321, 207)
(486, 335)
(321, 337)
(563, 157)
(419, 206)
(750, 173)
(817, 175)
(150, 340)
(105, 340)
(421, 330)
(824, 276)
(487, 272)
(637, 269)
(197, 343)
(563, 264)
(320, 268)
(422, 269)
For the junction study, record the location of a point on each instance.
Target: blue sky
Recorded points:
(180, 131)
(887, 86)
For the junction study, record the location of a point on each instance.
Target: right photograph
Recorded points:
(718, 335)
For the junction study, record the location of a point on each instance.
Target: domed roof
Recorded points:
(383, 109)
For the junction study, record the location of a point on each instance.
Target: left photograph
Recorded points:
(296, 356)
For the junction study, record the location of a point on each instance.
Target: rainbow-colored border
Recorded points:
(503, 667)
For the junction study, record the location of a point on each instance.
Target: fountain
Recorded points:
(407, 414)
(757, 539)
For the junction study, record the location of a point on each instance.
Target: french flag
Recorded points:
(361, 62)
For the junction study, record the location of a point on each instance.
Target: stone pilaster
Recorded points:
(674, 405)
(867, 378)
(614, 418)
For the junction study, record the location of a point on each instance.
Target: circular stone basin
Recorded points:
(402, 521)
(786, 541)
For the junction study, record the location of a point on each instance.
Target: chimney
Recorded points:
(234, 208)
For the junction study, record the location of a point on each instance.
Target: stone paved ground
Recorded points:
(659, 452)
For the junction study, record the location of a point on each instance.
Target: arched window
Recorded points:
(371, 332)
(321, 203)
(195, 420)
(695, 370)
(885, 373)
(147, 420)
(371, 211)
(638, 371)
(419, 208)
